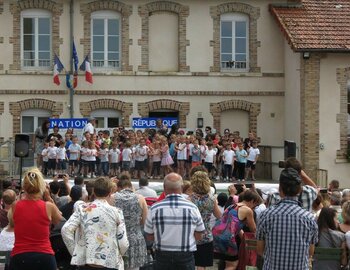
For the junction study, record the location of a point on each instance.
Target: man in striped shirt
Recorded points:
(287, 233)
(174, 224)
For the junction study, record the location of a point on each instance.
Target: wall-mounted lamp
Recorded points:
(200, 122)
(306, 55)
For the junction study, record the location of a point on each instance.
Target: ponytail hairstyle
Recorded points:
(33, 182)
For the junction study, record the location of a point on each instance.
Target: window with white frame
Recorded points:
(36, 38)
(105, 39)
(234, 42)
(33, 118)
(106, 118)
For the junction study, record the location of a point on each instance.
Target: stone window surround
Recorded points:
(125, 108)
(343, 76)
(254, 14)
(124, 10)
(252, 108)
(16, 108)
(165, 104)
(145, 11)
(16, 9)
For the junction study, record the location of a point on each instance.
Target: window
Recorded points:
(36, 38)
(106, 118)
(31, 119)
(234, 42)
(105, 29)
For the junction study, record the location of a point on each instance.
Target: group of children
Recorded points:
(227, 158)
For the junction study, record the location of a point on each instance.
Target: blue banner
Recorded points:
(64, 123)
(150, 122)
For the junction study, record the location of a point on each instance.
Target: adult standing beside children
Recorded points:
(40, 137)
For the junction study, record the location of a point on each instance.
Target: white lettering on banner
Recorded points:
(68, 123)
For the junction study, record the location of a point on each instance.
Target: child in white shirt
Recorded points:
(228, 157)
(253, 155)
(103, 154)
(52, 157)
(126, 157)
(114, 159)
(210, 157)
(45, 158)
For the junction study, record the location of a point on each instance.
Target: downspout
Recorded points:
(71, 32)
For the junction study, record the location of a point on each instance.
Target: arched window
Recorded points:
(105, 39)
(33, 118)
(36, 38)
(234, 41)
(107, 118)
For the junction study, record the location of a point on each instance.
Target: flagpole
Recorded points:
(71, 89)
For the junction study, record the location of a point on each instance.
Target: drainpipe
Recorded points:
(71, 32)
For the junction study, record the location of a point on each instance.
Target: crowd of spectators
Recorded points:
(106, 224)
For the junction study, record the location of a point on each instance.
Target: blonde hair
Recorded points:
(200, 183)
(33, 182)
(345, 213)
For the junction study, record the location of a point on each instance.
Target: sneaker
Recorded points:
(88, 176)
(93, 175)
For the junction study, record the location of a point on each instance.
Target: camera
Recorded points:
(281, 164)
(61, 175)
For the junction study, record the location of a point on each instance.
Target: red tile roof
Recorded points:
(315, 25)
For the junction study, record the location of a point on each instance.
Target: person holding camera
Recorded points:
(309, 189)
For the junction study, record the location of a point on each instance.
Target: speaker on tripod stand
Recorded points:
(21, 150)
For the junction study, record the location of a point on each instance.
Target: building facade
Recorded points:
(226, 62)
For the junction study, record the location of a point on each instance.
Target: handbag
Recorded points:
(225, 231)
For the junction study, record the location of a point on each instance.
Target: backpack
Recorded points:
(225, 231)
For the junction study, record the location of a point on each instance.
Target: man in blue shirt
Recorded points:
(286, 232)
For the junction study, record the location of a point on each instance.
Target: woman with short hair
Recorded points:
(102, 238)
(207, 205)
(134, 207)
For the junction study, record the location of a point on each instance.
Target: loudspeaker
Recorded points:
(290, 149)
(21, 145)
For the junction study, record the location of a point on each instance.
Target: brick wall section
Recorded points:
(16, 8)
(254, 14)
(165, 104)
(16, 108)
(309, 113)
(125, 108)
(2, 107)
(252, 108)
(124, 10)
(343, 76)
(168, 93)
(1, 6)
(160, 6)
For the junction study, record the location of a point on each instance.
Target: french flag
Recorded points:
(86, 66)
(57, 68)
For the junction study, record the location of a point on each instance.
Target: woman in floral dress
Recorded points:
(207, 206)
(135, 212)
